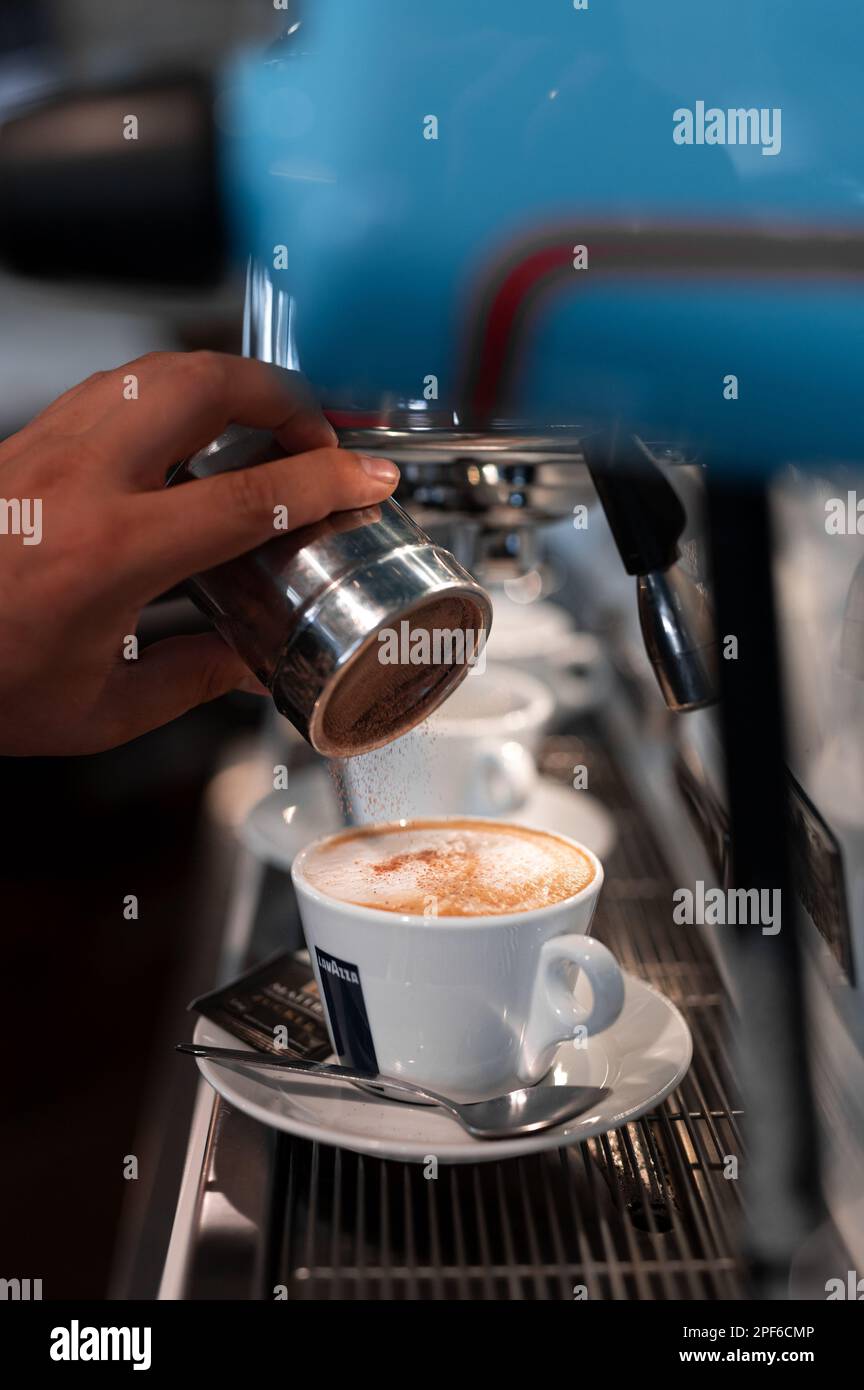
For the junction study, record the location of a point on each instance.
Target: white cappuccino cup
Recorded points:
(469, 1005)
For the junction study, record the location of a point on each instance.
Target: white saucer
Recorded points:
(640, 1060)
(564, 811)
(279, 825)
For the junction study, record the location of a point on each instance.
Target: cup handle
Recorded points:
(555, 1016)
(503, 778)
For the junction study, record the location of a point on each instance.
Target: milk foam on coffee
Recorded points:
(449, 868)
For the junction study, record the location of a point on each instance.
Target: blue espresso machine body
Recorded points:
(415, 180)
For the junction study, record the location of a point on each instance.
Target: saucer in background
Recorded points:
(563, 811)
(279, 825)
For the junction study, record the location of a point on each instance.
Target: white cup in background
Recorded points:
(474, 756)
(540, 638)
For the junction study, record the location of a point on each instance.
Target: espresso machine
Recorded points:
(474, 232)
(554, 308)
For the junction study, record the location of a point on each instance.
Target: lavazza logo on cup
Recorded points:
(346, 1010)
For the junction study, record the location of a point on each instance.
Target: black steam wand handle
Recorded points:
(645, 514)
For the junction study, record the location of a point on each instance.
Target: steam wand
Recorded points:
(646, 518)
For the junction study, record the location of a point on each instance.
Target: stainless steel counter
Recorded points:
(644, 1212)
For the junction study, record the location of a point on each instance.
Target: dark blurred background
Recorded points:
(89, 1001)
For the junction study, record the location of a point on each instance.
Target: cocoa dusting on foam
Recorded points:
(449, 869)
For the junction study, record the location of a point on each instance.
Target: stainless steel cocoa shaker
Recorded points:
(360, 626)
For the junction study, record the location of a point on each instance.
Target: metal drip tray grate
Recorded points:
(640, 1213)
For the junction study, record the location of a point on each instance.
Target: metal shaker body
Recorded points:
(306, 612)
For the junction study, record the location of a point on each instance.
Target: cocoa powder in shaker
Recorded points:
(375, 702)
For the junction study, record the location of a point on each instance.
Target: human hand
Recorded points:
(111, 538)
